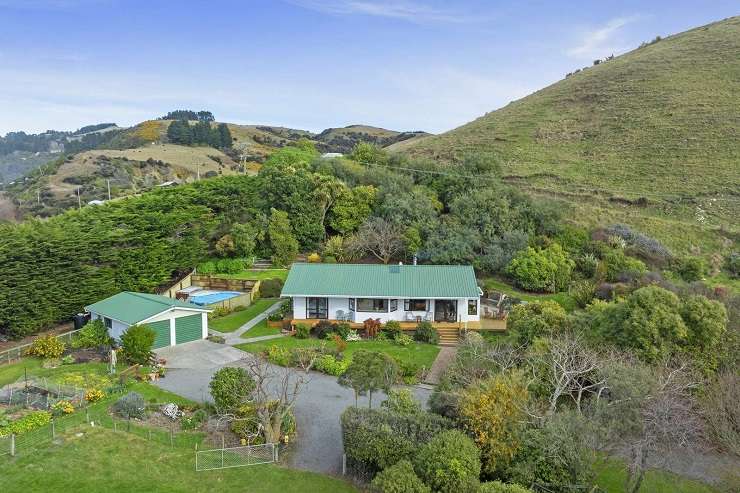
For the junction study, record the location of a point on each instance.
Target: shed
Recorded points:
(173, 321)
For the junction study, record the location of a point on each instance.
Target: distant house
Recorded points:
(331, 155)
(445, 295)
(173, 321)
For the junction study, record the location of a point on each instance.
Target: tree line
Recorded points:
(202, 133)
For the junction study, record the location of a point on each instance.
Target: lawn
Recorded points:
(612, 474)
(233, 321)
(32, 367)
(422, 355)
(258, 274)
(564, 299)
(261, 329)
(103, 460)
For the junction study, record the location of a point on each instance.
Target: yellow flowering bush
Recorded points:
(63, 407)
(94, 395)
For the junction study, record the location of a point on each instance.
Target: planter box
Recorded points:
(275, 325)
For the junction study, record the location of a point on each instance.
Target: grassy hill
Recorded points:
(650, 138)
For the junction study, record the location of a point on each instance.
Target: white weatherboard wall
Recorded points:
(117, 328)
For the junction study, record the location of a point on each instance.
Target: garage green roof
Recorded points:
(393, 281)
(132, 308)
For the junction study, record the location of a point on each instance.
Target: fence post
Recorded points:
(12, 444)
(172, 438)
(344, 464)
(277, 452)
(115, 425)
(87, 415)
(53, 429)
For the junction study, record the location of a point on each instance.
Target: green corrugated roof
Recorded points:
(402, 281)
(132, 308)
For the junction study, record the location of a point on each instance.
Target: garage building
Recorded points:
(173, 321)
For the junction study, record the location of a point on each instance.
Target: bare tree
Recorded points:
(570, 369)
(275, 394)
(721, 411)
(380, 238)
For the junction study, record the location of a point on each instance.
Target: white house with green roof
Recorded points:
(173, 321)
(441, 294)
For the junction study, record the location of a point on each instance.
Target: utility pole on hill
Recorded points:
(108, 181)
(79, 201)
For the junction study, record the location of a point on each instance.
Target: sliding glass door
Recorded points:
(317, 308)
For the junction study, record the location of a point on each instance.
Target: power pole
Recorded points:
(108, 181)
(198, 171)
(79, 201)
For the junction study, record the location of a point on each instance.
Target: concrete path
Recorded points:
(318, 408)
(235, 337)
(200, 354)
(262, 338)
(445, 357)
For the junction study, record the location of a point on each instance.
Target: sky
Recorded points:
(311, 64)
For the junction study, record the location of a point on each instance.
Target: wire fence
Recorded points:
(19, 352)
(13, 445)
(248, 455)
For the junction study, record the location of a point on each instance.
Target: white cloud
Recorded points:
(604, 40)
(407, 11)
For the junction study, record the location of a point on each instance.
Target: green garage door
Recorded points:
(188, 328)
(162, 329)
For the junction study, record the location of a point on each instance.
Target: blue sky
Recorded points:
(311, 64)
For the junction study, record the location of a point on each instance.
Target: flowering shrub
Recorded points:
(314, 258)
(353, 336)
(330, 365)
(392, 329)
(29, 422)
(94, 395)
(302, 331)
(63, 407)
(278, 355)
(403, 340)
(46, 347)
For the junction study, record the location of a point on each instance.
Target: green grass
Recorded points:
(564, 299)
(32, 367)
(422, 355)
(233, 321)
(260, 275)
(102, 460)
(655, 123)
(612, 474)
(261, 329)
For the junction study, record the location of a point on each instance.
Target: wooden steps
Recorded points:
(448, 336)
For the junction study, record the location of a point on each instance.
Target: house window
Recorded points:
(415, 305)
(317, 308)
(372, 305)
(352, 304)
(394, 305)
(472, 307)
(108, 323)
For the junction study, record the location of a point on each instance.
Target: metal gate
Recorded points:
(248, 455)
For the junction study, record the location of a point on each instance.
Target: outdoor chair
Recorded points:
(428, 317)
(340, 315)
(410, 317)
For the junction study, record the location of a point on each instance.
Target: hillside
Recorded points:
(650, 138)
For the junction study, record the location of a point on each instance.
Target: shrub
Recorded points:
(230, 387)
(194, 420)
(230, 266)
(616, 264)
(399, 478)
(218, 312)
(401, 401)
(271, 288)
(314, 258)
(392, 329)
(302, 331)
(492, 413)
(329, 259)
(342, 330)
(29, 422)
(94, 395)
(499, 487)
(536, 319)
(68, 360)
(207, 268)
(408, 370)
(691, 269)
(732, 264)
(371, 327)
(547, 269)
(322, 329)
(217, 339)
(130, 406)
(136, 344)
(376, 439)
(425, 332)
(330, 365)
(46, 347)
(587, 264)
(62, 407)
(404, 340)
(353, 336)
(278, 355)
(721, 410)
(92, 335)
(582, 292)
(449, 463)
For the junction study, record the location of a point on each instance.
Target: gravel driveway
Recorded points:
(322, 401)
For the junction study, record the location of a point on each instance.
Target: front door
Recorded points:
(317, 308)
(445, 310)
